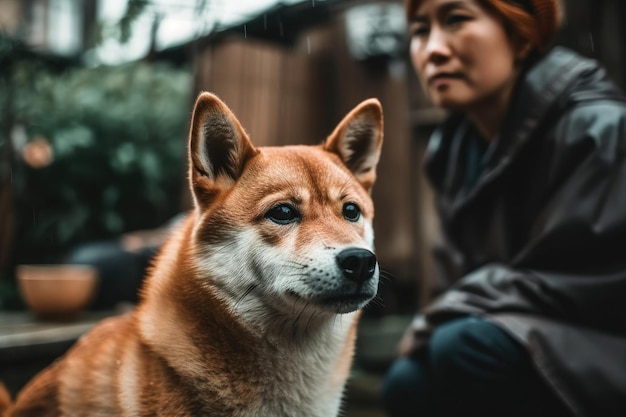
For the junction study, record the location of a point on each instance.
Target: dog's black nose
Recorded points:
(357, 264)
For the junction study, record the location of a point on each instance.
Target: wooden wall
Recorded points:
(267, 87)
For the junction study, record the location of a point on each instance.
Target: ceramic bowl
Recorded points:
(57, 292)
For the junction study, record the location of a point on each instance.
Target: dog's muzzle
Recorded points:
(352, 283)
(358, 267)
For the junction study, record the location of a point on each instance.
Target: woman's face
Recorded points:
(462, 54)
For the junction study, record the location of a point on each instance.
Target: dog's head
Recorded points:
(281, 227)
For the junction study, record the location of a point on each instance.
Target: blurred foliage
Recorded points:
(134, 9)
(118, 140)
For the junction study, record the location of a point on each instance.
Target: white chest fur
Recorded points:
(306, 377)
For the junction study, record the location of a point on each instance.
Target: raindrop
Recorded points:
(593, 49)
(308, 44)
(245, 31)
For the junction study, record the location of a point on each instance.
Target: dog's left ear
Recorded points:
(218, 148)
(358, 139)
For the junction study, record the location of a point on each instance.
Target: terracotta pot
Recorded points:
(57, 292)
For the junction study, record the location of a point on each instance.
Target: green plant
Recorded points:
(118, 140)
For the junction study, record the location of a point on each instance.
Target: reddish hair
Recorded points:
(538, 26)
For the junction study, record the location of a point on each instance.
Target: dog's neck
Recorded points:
(277, 358)
(278, 375)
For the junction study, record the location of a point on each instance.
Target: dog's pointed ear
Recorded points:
(358, 139)
(218, 148)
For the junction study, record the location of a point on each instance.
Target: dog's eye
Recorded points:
(283, 214)
(351, 212)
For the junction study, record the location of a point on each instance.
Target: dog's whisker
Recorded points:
(250, 288)
(308, 323)
(321, 239)
(386, 275)
(378, 300)
(297, 320)
(300, 274)
(296, 329)
(298, 264)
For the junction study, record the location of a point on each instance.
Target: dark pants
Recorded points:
(120, 272)
(472, 367)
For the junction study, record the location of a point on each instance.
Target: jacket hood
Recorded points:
(555, 83)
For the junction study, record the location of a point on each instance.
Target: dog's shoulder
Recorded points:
(45, 395)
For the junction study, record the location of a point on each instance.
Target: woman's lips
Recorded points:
(443, 78)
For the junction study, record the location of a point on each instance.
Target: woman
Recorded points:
(530, 182)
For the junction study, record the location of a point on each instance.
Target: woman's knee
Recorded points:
(405, 386)
(475, 348)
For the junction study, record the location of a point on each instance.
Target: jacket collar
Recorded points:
(539, 97)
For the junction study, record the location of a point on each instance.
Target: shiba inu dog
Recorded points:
(251, 306)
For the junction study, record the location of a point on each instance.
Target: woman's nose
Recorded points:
(437, 48)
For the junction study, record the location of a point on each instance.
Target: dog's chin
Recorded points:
(336, 303)
(347, 303)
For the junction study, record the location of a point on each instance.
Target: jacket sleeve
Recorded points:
(573, 267)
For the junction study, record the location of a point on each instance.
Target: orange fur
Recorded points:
(5, 401)
(252, 304)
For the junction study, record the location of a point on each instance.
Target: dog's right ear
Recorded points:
(218, 149)
(358, 139)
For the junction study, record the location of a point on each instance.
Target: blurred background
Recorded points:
(95, 99)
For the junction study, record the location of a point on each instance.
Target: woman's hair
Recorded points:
(535, 21)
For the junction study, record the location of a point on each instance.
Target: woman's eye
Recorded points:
(351, 212)
(283, 214)
(455, 19)
(419, 30)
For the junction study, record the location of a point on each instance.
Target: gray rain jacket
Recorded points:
(537, 241)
